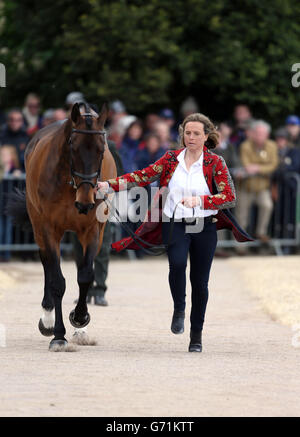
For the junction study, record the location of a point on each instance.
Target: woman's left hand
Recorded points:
(191, 201)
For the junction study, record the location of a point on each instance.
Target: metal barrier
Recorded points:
(285, 219)
(285, 232)
(13, 238)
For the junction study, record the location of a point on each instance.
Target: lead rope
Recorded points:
(152, 250)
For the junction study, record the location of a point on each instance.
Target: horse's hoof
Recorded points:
(58, 344)
(81, 338)
(61, 346)
(47, 332)
(76, 324)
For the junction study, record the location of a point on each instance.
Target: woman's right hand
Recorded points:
(103, 187)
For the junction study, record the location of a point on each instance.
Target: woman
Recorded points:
(151, 152)
(130, 145)
(190, 174)
(31, 114)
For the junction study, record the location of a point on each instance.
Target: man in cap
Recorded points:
(167, 116)
(292, 125)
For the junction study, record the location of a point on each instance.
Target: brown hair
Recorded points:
(209, 128)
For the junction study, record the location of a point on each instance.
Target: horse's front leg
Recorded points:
(46, 323)
(55, 285)
(58, 287)
(80, 317)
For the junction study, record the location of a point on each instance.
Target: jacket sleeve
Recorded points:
(139, 178)
(225, 197)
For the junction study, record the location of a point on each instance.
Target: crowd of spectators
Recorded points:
(260, 157)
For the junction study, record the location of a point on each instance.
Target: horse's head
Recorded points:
(87, 144)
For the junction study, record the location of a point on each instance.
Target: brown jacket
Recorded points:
(267, 159)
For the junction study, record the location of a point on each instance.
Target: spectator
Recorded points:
(119, 122)
(48, 117)
(226, 149)
(259, 157)
(2, 119)
(282, 138)
(167, 116)
(15, 134)
(151, 153)
(128, 152)
(129, 146)
(188, 107)
(72, 98)
(292, 124)
(60, 114)
(150, 121)
(1, 168)
(10, 165)
(284, 188)
(31, 114)
(162, 130)
(9, 160)
(242, 118)
(229, 153)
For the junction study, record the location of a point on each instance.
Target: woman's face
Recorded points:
(34, 106)
(135, 132)
(153, 144)
(194, 136)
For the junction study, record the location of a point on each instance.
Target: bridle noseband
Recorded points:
(86, 178)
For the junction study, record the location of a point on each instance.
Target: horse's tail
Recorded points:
(16, 208)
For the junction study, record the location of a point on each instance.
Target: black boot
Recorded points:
(196, 341)
(177, 326)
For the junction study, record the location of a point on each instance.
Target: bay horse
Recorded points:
(63, 163)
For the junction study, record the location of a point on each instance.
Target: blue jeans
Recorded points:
(201, 246)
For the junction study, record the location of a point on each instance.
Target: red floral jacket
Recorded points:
(219, 183)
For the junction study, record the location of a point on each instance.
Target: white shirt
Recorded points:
(184, 183)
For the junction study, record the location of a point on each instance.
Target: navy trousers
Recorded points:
(201, 248)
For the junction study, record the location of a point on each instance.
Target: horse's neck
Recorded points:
(59, 153)
(62, 145)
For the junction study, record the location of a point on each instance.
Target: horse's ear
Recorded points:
(75, 113)
(103, 114)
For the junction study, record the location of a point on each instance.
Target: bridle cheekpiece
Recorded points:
(86, 178)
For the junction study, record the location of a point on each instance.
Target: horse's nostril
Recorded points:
(84, 208)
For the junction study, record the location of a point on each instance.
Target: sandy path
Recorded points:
(139, 368)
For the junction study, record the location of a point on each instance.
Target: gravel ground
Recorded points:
(248, 366)
(276, 282)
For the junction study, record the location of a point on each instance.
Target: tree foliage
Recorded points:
(153, 53)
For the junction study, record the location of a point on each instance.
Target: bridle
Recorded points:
(86, 178)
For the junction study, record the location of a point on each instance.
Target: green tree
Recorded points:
(153, 53)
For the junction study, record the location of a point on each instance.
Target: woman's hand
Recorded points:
(103, 187)
(191, 202)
